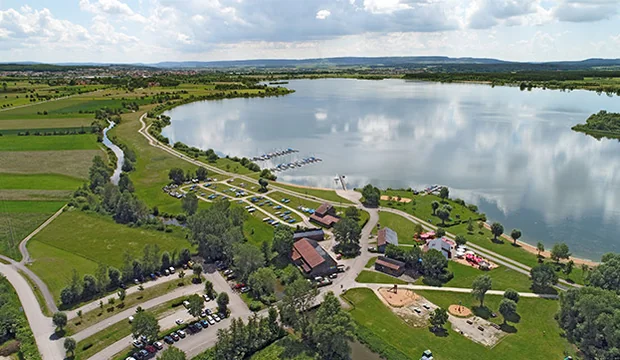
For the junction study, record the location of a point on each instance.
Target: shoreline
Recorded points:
(524, 245)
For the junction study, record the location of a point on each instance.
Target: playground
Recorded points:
(398, 297)
(459, 310)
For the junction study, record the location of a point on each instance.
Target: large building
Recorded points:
(312, 259)
(325, 215)
(386, 236)
(389, 266)
(313, 234)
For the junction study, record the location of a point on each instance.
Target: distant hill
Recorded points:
(426, 63)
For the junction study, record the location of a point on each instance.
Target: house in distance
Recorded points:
(325, 215)
(386, 236)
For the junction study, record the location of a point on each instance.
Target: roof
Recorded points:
(327, 220)
(389, 263)
(310, 252)
(387, 236)
(323, 209)
(309, 233)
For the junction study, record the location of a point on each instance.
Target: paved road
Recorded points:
(42, 328)
(125, 314)
(455, 289)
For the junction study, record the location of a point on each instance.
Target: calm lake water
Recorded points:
(511, 152)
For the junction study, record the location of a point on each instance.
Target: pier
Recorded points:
(274, 154)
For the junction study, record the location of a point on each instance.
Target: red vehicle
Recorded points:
(151, 349)
(238, 286)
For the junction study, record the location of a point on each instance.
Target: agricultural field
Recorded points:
(535, 336)
(20, 218)
(82, 241)
(48, 143)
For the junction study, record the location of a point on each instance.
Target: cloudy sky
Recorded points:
(159, 30)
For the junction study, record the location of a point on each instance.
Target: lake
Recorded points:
(511, 152)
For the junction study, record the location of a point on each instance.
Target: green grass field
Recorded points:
(289, 348)
(39, 181)
(55, 142)
(73, 163)
(81, 241)
(20, 218)
(373, 277)
(502, 277)
(537, 335)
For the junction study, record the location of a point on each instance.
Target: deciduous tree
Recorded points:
(190, 203)
(195, 305)
(480, 286)
(560, 251)
(543, 277)
(60, 320)
(512, 294)
(508, 308)
(515, 234)
(145, 324)
(332, 329)
(438, 319)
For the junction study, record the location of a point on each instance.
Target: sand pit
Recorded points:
(394, 198)
(403, 297)
(460, 311)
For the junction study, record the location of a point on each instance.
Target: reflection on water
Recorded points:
(508, 151)
(120, 156)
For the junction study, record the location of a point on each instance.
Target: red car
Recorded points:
(151, 349)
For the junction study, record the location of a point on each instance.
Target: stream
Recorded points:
(120, 156)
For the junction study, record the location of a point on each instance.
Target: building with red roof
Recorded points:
(325, 215)
(312, 259)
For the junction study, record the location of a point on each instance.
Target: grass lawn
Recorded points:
(503, 278)
(55, 142)
(537, 335)
(39, 181)
(289, 347)
(82, 241)
(371, 262)
(506, 248)
(20, 218)
(402, 226)
(420, 206)
(373, 277)
(256, 231)
(321, 194)
(74, 163)
(37, 293)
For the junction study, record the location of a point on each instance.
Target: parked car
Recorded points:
(130, 358)
(338, 256)
(417, 310)
(181, 334)
(136, 281)
(231, 276)
(143, 353)
(153, 277)
(168, 340)
(151, 349)
(426, 306)
(137, 356)
(175, 337)
(203, 313)
(216, 318)
(166, 272)
(179, 321)
(245, 289)
(209, 312)
(228, 272)
(206, 297)
(198, 326)
(158, 345)
(171, 269)
(204, 323)
(130, 319)
(138, 344)
(211, 320)
(333, 276)
(186, 303)
(158, 273)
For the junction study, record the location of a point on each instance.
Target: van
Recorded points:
(171, 269)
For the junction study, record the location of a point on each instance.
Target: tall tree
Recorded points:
(515, 234)
(435, 265)
(145, 324)
(347, 233)
(512, 294)
(543, 277)
(438, 319)
(444, 193)
(195, 305)
(60, 320)
(263, 185)
(201, 174)
(177, 176)
(115, 277)
(209, 289)
(172, 353)
(435, 206)
(262, 282)
(497, 229)
(332, 329)
(540, 247)
(197, 270)
(247, 259)
(222, 302)
(352, 213)
(103, 279)
(190, 203)
(460, 240)
(480, 286)
(69, 345)
(298, 298)
(282, 241)
(508, 309)
(607, 274)
(560, 251)
(125, 183)
(444, 213)
(371, 195)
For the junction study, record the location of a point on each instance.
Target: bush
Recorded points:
(255, 306)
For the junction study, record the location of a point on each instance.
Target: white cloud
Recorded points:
(586, 10)
(320, 115)
(323, 14)
(112, 8)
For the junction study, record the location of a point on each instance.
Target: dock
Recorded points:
(273, 154)
(295, 164)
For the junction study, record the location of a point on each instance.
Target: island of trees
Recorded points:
(602, 123)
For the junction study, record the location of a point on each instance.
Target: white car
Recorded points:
(171, 270)
(186, 303)
(130, 319)
(216, 318)
(206, 297)
(210, 320)
(179, 321)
